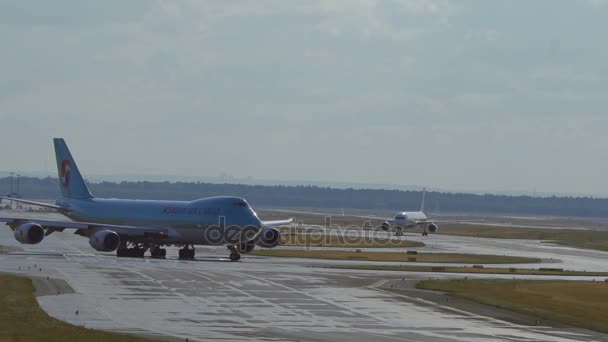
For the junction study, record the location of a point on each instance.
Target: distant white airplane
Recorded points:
(131, 227)
(402, 220)
(410, 219)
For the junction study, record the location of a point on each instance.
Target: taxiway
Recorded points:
(272, 299)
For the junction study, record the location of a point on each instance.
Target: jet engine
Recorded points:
(105, 241)
(247, 247)
(433, 228)
(386, 226)
(269, 238)
(29, 233)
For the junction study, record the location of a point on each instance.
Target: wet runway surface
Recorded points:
(271, 299)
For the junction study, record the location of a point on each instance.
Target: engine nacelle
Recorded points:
(247, 247)
(105, 241)
(269, 238)
(29, 233)
(386, 226)
(433, 228)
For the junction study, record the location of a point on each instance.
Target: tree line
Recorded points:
(325, 197)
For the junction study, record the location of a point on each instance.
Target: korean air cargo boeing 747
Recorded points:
(131, 227)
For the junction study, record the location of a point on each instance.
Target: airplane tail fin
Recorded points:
(423, 200)
(71, 183)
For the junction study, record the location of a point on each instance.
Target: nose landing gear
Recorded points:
(234, 255)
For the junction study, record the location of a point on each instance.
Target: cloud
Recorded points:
(70, 14)
(598, 3)
(313, 82)
(484, 35)
(373, 19)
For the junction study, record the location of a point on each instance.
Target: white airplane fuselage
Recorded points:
(409, 218)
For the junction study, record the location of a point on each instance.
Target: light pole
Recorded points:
(11, 193)
(18, 175)
(11, 173)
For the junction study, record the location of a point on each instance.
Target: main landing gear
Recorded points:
(157, 252)
(424, 232)
(234, 255)
(137, 251)
(186, 253)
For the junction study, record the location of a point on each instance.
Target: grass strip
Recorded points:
(345, 241)
(22, 319)
(396, 256)
(591, 239)
(577, 303)
(476, 270)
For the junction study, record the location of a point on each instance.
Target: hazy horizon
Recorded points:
(468, 96)
(228, 179)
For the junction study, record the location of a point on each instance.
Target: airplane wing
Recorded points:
(378, 218)
(429, 220)
(87, 228)
(40, 204)
(277, 223)
(432, 220)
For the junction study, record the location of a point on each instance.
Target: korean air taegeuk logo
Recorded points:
(66, 172)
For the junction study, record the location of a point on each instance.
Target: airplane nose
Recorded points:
(253, 227)
(255, 220)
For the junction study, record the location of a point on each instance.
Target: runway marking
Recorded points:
(258, 298)
(379, 283)
(348, 309)
(153, 329)
(168, 289)
(244, 326)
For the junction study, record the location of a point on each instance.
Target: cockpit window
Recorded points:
(240, 204)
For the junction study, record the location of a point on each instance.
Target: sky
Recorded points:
(461, 95)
